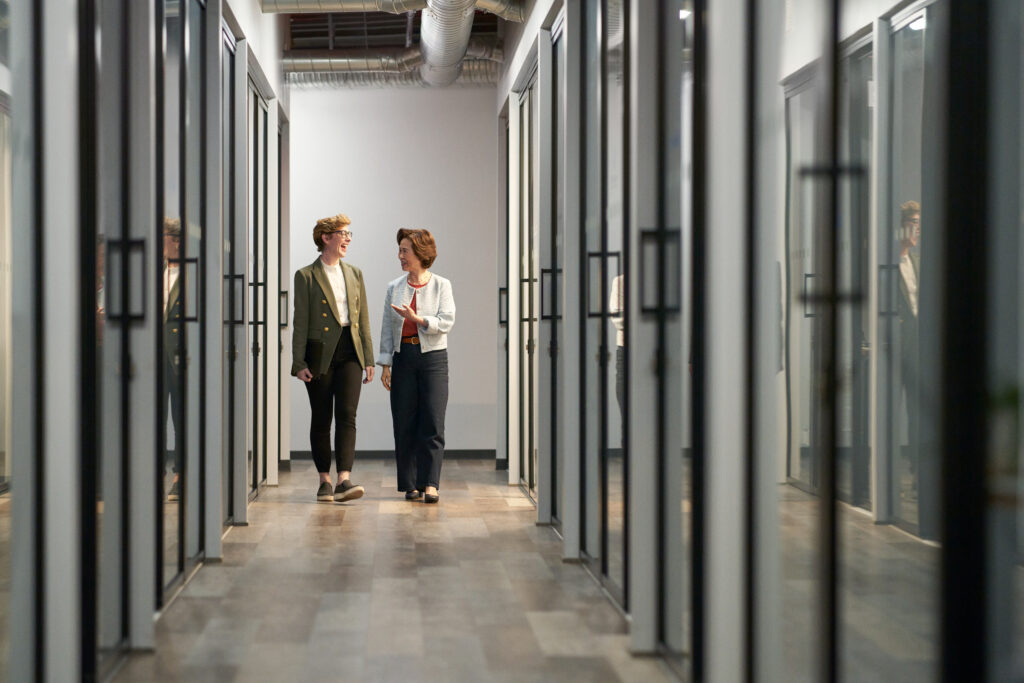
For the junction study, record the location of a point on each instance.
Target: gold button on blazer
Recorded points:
(314, 300)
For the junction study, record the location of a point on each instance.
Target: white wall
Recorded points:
(266, 35)
(406, 158)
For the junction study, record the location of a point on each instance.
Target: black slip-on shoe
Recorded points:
(413, 495)
(325, 492)
(430, 498)
(175, 492)
(346, 490)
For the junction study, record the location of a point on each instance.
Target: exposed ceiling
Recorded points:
(340, 30)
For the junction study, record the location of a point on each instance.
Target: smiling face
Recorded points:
(336, 243)
(407, 258)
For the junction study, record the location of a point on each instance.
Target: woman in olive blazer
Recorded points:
(331, 351)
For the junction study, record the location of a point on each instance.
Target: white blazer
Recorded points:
(434, 303)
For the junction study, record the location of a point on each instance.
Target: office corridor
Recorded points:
(387, 590)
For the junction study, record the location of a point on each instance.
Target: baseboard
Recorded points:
(284, 465)
(501, 464)
(458, 454)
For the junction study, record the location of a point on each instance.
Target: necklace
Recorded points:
(417, 284)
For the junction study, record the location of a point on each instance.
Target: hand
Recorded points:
(305, 375)
(369, 375)
(408, 314)
(385, 377)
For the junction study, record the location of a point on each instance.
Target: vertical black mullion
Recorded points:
(661, 317)
(89, 394)
(624, 292)
(698, 343)
(555, 266)
(584, 268)
(828, 441)
(39, 334)
(181, 440)
(964, 399)
(160, 28)
(201, 272)
(263, 278)
(602, 344)
(750, 343)
(126, 360)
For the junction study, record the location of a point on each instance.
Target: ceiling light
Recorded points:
(684, 14)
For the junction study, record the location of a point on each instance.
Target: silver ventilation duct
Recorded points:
(444, 36)
(310, 6)
(383, 60)
(445, 27)
(510, 10)
(351, 61)
(475, 73)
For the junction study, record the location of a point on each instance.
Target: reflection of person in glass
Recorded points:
(419, 312)
(616, 308)
(173, 329)
(907, 314)
(331, 350)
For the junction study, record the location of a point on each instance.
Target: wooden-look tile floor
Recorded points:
(382, 589)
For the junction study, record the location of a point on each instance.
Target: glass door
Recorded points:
(853, 457)
(256, 463)
(551, 286)
(192, 277)
(234, 276)
(171, 283)
(606, 333)
(908, 268)
(673, 243)
(528, 290)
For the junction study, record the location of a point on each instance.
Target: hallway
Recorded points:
(383, 589)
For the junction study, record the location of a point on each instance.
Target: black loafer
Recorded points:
(413, 495)
(430, 498)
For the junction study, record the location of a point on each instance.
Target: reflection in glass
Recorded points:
(229, 289)
(675, 206)
(195, 183)
(615, 333)
(5, 352)
(171, 285)
(591, 346)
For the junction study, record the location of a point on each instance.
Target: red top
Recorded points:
(409, 327)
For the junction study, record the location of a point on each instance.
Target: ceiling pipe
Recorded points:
(310, 6)
(384, 60)
(444, 37)
(510, 10)
(475, 73)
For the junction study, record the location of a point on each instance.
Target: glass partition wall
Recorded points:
(6, 349)
(181, 170)
(846, 439)
(605, 467)
(529, 302)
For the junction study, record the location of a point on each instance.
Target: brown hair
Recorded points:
(908, 209)
(423, 245)
(328, 225)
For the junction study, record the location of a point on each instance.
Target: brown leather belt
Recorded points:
(410, 340)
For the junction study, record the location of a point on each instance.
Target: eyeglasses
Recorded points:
(345, 234)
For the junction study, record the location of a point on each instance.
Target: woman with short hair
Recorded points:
(419, 312)
(331, 349)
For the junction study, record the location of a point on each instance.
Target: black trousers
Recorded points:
(172, 400)
(419, 398)
(335, 393)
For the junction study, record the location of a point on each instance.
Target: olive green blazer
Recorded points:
(317, 320)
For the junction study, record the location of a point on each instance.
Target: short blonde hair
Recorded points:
(172, 227)
(908, 209)
(328, 225)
